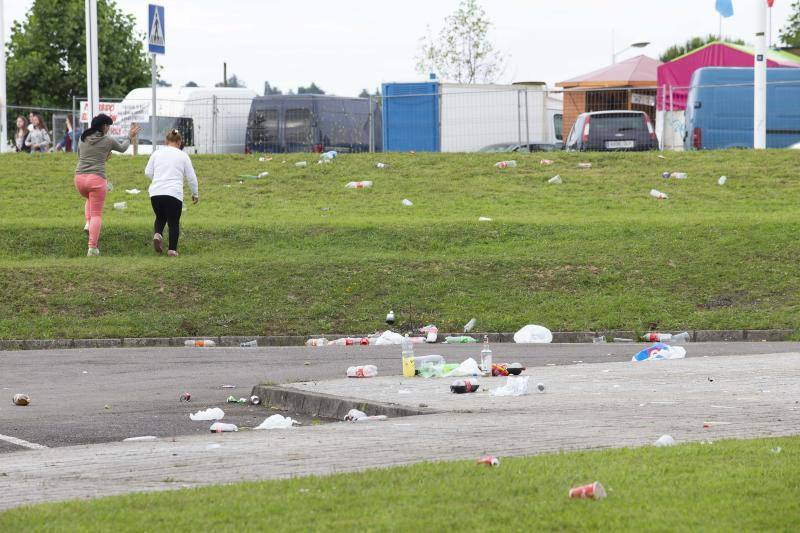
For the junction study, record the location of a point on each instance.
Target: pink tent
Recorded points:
(678, 72)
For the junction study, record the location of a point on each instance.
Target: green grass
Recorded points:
(297, 253)
(726, 486)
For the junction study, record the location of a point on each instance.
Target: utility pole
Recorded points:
(92, 69)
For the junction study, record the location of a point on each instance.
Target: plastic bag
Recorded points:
(389, 337)
(277, 422)
(212, 413)
(533, 334)
(467, 368)
(515, 386)
(660, 351)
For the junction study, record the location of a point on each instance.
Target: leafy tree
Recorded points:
(233, 81)
(311, 89)
(790, 34)
(462, 51)
(693, 44)
(47, 54)
(270, 90)
(191, 84)
(364, 94)
(163, 83)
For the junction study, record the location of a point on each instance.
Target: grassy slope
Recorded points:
(727, 486)
(298, 253)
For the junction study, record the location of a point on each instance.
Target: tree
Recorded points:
(363, 94)
(462, 51)
(311, 89)
(790, 34)
(693, 44)
(47, 54)
(163, 83)
(191, 84)
(233, 81)
(270, 90)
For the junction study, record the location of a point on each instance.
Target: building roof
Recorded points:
(639, 71)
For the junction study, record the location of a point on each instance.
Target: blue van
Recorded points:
(719, 109)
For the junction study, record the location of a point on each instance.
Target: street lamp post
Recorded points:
(634, 45)
(3, 103)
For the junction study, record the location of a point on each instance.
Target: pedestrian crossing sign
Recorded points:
(155, 29)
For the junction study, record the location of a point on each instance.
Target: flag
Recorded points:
(725, 8)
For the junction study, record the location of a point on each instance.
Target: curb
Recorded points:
(328, 405)
(559, 337)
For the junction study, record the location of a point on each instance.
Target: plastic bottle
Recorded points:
(460, 339)
(381, 165)
(121, 205)
(200, 343)
(327, 156)
(358, 184)
(658, 195)
(390, 317)
(722, 180)
(656, 337)
(220, 427)
(407, 354)
(555, 180)
(317, 342)
(364, 371)
(249, 344)
(301, 164)
(681, 338)
(678, 175)
(486, 357)
(506, 164)
(600, 339)
(469, 325)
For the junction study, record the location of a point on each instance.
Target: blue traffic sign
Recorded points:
(155, 29)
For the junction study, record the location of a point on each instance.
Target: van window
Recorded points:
(558, 124)
(297, 129)
(185, 127)
(265, 126)
(618, 123)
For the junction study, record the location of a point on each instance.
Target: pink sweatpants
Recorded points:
(94, 189)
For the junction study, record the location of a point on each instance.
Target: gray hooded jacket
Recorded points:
(94, 153)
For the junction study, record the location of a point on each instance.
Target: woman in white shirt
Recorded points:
(167, 168)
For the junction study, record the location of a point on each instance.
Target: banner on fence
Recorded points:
(122, 113)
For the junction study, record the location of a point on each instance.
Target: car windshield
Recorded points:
(618, 123)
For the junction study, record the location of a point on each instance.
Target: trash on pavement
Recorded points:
(132, 191)
(120, 205)
(227, 386)
(681, 338)
(185, 397)
(600, 339)
(500, 369)
(363, 371)
(506, 164)
(555, 180)
(468, 368)
(515, 369)
(249, 344)
(212, 413)
(621, 339)
(407, 358)
(434, 359)
(660, 351)
(358, 184)
(277, 422)
(584, 165)
(459, 339)
(484, 219)
(350, 341)
(233, 399)
(656, 337)
(146, 438)
(389, 337)
(431, 333)
(546, 162)
(658, 195)
(665, 440)
(722, 180)
(533, 334)
(200, 343)
(594, 491)
(488, 460)
(462, 386)
(21, 399)
(540, 387)
(469, 325)
(317, 342)
(515, 386)
(407, 202)
(221, 427)
(354, 415)
(255, 400)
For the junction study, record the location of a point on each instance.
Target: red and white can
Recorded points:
(594, 491)
(489, 460)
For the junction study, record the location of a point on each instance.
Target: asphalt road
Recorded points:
(101, 395)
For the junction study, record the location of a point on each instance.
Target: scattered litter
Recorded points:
(221, 427)
(678, 175)
(121, 205)
(350, 341)
(264, 159)
(515, 386)
(301, 164)
(656, 337)
(661, 157)
(600, 339)
(85, 372)
(277, 422)
(470, 325)
(407, 202)
(200, 343)
(431, 333)
(468, 368)
(709, 442)
(233, 399)
(364, 371)
(21, 399)
(621, 339)
(420, 360)
(354, 415)
(555, 180)
(540, 387)
(212, 413)
(484, 219)
(324, 161)
(146, 438)
(506, 164)
(307, 363)
(317, 342)
(660, 351)
(546, 162)
(461, 386)
(459, 339)
(109, 186)
(665, 174)
(488, 460)
(681, 338)
(227, 386)
(711, 380)
(255, 400)
(776, 450)
(584, 165)
(329, 156)
(594, 491)
(533, 334)
(658, 195)
(722, 180)
(106, 407)
(185, 397)
(132, 191)
(381, 165)
(249, 344)
(515, 369)
(665, 440)
(358, 185)
(262, 175)
(389, 337)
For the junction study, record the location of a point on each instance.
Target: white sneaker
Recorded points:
(92, 252)
(86, 228)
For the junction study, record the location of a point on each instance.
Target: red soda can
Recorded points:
(594, 491)
(488, 460)
(364, 341)
(186, 397)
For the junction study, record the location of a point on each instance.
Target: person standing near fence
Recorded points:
(95, 148)
(38, 139)
(21, 135)
(168, 168)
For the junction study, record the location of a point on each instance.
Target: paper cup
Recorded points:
(594, 491)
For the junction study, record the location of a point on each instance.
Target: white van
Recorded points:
(211, 120)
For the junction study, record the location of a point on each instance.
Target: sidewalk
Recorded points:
(584, 406)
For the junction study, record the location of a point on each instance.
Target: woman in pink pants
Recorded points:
(90, 176)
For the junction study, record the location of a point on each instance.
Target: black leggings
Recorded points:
(168, 211)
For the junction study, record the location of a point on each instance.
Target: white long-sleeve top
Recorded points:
(167, 168)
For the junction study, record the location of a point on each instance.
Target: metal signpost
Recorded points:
(92, 69)
(156, 45)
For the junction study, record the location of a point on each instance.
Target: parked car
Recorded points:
(516, 147)
(612, 131)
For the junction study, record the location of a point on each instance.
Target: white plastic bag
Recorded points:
(467, 368)
(533, 334)
(212, 413)
(389, 337)
(660, 351)
(515, 386)
(277, 422)
(665, 440)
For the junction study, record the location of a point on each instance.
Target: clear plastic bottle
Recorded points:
(200, 343)
(506, 164)
(407, 353)
(486, 357)
(390, 317)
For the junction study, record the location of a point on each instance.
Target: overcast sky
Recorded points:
(352, 44)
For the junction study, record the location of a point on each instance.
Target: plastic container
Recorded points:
(301, 164)
(506, 164)
(407, 354)
(317, 342)
(722, 180)
(678, 175)
(121, 205)
(486, 357)
(200, 343)
(363, 371)
(381, 165)
(656, 337)
(555, 180)
(358, 185)
(249, 344)
(221, 427)
(469, 325)
(462, 386)
(328, 156)
(428, 359)
(658, 195)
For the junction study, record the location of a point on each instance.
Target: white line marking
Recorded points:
(23, 443)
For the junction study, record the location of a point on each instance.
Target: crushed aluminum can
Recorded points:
(186, 397)
(255, 400)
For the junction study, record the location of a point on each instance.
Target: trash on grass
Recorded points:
(121, 205)
(678, 175)
(328, 156)
(212, 413)
(533, 334)
(664, 440)
(722, 180)
(358, 184)
(264, 159)
(515, 386)
(660, 351)
(594, 491)
(407, 202)
(555, 180)
(221, 427)
(146, 438)
(484, 219)
(584, 165)
(21, 399)
(462, 386)
(301, 164)
(658, 195)
(277, 422)
(469, 325)
(506, 164)
(488, 460)
(363, 371)
(776, 450)
(381, 165)
(354, 415)
(132, 191)
(546, 162)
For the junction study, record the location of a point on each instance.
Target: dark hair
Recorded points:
(39, 123)
(174, 136)
(97, 124)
